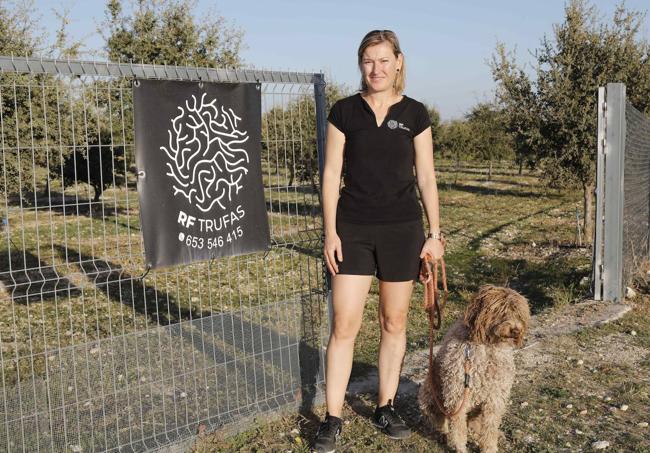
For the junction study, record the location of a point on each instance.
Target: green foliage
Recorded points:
(435, 122)
(481, 135)
(454, 139)
(39, 112)
(17, 27)
(15, 38)
(489, 139)
(31, 135)
(297, 119)
(168, 32)
(520, 107)
(58, 132)
(157, 32)
(99, 165)
(554, 117)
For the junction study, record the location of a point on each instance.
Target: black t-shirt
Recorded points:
(379, 182)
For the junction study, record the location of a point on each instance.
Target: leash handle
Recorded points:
(434, 299)
(434, 302)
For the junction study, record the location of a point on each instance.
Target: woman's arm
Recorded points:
(426, 177)
(331, 184)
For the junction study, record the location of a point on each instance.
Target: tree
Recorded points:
(298, 121)
(16, 38)
(455, 139)
(489, 139)
(167, 32)
(520, 107)
(158, 32)
(96, 164)
(435, 122)
(582, 54)
(33, 140)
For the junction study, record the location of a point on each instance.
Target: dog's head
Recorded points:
(497, 315)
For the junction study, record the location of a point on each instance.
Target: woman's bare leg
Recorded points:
(394, 298)
(349, 294)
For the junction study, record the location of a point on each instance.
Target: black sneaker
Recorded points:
(390, 423)
(327, 433)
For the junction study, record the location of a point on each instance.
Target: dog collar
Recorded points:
(468, 354)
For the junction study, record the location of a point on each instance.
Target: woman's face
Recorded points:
(379, 66)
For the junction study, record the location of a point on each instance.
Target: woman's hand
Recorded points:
(332, 249)
(434, 248)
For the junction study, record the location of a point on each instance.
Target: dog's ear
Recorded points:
(476, 318)
(521, 311)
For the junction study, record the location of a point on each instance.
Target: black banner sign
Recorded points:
(197, 149)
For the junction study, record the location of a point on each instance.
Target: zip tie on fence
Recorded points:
(273, 242)
(145, 272)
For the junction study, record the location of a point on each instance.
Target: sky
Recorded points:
(446, 43)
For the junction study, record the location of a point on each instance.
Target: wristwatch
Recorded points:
(436, 235)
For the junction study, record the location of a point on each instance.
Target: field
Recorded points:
(96, 352)
(575, 386)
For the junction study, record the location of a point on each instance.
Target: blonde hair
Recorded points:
(377, 37)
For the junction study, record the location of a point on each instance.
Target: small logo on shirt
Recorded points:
(392, 124)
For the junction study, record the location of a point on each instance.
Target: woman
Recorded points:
(375, 226)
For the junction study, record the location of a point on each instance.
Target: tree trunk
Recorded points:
(588, 210)
(490, 171)
(457, 167)
(316, 189)
(521, 166)
(292, 175)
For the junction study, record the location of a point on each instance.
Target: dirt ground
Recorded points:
(583, 376)
(583, 383)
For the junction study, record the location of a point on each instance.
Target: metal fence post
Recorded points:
(321, 128)
(597, 280)
(614, 196)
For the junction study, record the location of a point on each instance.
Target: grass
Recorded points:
(577, 398)
(508, 231)
(76, 282)
(96, 353)
(569, 393)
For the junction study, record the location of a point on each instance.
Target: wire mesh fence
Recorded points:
(636, 189)
(99, 355)
(622, 233)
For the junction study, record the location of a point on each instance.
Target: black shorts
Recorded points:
(390, 251)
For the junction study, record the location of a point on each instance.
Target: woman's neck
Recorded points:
(381, 98)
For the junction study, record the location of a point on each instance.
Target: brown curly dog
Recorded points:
(495, 322)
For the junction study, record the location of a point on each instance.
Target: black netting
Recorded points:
(636, 210)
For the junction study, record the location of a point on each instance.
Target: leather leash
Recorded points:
(434, 303)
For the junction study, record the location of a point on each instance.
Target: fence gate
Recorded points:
(96, 353)
(622, 234)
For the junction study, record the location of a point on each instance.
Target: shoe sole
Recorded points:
(383, 430)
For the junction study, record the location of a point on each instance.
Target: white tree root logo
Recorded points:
(206, 159)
